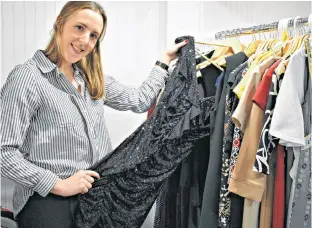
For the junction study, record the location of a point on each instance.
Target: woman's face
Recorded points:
(80, 34)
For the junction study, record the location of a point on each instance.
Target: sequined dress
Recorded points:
(132, 174)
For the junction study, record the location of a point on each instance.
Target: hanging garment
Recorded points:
(260, 99)
(231, 104)
(237, 138)
(249, 117)
(294, 130)
(279, 190)
(209, 216)
(266, 210)
(289, 161)
(133, 173)
(180, 200)
(236, 201)
(267, 142)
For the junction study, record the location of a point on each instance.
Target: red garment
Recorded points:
(260, 98)
(279, 190)
(150, 111)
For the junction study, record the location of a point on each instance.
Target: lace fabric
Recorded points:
(131, 175)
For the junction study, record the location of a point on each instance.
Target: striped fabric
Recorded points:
(50, 130)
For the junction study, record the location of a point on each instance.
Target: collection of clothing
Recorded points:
(225, 146)
(254, 168)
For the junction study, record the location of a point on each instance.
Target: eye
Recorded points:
(94, 36)
(79, 27)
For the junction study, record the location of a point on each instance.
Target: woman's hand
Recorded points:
(80, 182)
(170, 54)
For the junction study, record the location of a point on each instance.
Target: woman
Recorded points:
(52, 125)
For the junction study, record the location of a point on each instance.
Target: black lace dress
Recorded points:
(133, 173)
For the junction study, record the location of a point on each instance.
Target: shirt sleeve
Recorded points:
(287, 121)
(242, 112)
(19, 102)
(139, 100)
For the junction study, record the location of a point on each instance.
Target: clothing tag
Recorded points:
(308, 142)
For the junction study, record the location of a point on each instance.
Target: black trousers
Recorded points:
(47, 212)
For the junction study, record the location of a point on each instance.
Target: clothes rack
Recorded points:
(256, 29)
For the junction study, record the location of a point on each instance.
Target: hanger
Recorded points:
(208, 60)
(252, 47)
(284, 40)
(297, 40)
(262, 44)
(236, 48)
(224, 49)
(284, 37)
(230, 43)
(213, 44)
(266, 42)
(305, 34)
(270, 41)
(221, 50)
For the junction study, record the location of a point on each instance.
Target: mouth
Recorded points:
(76, 49)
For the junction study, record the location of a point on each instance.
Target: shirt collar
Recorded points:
(46, 65)
(43, 62)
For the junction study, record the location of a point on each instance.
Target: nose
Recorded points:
(84, 39)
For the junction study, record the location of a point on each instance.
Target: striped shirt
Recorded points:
(50, 130)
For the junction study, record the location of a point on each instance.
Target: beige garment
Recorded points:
(245, 182)
(266, 213)
(251, 212)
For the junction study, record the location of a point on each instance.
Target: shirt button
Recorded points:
(96, 148)
(84, 111)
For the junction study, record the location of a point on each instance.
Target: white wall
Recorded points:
(137, 33)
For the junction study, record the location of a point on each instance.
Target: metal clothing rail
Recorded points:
(256, 29)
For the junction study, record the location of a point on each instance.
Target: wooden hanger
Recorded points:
(208, 60)
(213, 44)
(221, 49)
(252, 48)
(230, 46)
(234, 44)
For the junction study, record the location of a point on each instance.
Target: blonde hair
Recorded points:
(91, 64)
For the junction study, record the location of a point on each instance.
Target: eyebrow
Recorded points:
(88, 27)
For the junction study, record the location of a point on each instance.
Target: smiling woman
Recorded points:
(77, 41)
(58, 129)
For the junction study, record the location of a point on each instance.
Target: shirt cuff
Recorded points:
(160, 72)
(46, 183)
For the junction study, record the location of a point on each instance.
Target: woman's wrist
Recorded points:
(57, 188)
(165, 59)
(160, 63)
